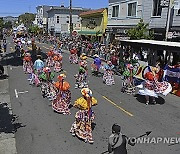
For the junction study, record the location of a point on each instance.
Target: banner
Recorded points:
(171, 74)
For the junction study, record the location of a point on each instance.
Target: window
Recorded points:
(132, 9)
(115, 12)
(157, 9)
(178, 12)
(57, 19)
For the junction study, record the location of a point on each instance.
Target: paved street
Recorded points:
(43, 131)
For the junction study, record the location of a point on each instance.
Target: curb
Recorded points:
(7, 140)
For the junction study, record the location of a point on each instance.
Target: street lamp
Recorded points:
(70, 14)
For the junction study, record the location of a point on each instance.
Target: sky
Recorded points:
(17, 7)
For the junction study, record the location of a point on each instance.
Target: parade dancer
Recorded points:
(49, 60)
(108, 77)
(63, 99)
(151, 87)
(57, 63)
(128, 85)
(73, 58)
(84, 117)
(81, 77)
(47, 88)
(27, 63)
(96, 65)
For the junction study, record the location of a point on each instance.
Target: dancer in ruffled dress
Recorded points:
(85, 116)
(57, 63)
(49, 60)
(95, 66)
(47, 88)
(27, 63)
(108, 77)
(81, 77)
(62, 102)
(151, 87)
(128, 85)
(73, 58)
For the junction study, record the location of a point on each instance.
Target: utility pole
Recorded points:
(170, 6)
(70, 14)
(168, 18)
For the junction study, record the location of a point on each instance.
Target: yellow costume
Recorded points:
(82, 104)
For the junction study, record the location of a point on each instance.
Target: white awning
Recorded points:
(154, 42)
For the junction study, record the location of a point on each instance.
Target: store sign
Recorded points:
(173, 35)
(176, 4)
(91, 24)
(164, 3)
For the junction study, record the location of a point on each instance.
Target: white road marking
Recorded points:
(11, 68)
(22, 92)
(16, 94)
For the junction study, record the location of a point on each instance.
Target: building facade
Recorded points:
(42, 17)
(94, 23)
(156, 14)
(59, 20)
(125, 14)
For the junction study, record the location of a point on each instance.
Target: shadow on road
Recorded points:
(142, 100)
(5, 76)
(8, 122)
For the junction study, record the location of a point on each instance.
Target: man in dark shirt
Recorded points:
(117, 141)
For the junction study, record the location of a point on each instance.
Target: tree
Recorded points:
(1, 24)
(8, 25)
(27, 19)
(34, 29)
(141, 31)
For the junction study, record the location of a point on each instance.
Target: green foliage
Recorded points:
(34, 29)
(8, 25)
(141, 31)
(27, 19)
(1, 24)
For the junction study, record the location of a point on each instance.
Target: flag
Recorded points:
(171, 74)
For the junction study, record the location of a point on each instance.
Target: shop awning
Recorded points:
(90, 33)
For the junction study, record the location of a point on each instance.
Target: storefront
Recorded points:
(94, 24)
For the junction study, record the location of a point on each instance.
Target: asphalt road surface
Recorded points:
(46, 132)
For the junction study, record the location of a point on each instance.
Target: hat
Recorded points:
(86, 92)
(96, 56)
(116, 128)
(61, 76)
(83, 56)
(47, 69)
(28, 54)
(109, 63)
(39, 56)
(130, 66)
(62, 85)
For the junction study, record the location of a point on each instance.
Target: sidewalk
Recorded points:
(7, 136)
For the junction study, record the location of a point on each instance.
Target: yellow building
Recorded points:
(94, 24)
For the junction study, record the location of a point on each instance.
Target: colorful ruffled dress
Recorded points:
(27, 64)
(152, 87)
(57, 63)
(83, 119)
(108, 77)
(47, 88)
(63, 99)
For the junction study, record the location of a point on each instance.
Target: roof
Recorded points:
(66, 8)
(154, 44)
(92, 12)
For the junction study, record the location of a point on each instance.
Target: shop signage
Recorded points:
(164, 3)
(91, 24)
